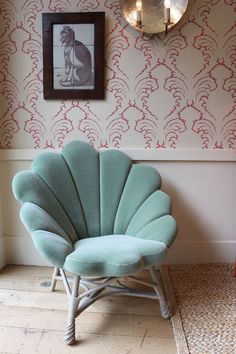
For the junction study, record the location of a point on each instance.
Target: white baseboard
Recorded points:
(202, 252)
(3, 260)
(20, 250)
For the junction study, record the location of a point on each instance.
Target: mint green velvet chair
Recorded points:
(98, 219)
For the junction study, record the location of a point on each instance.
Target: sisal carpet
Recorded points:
(204, 300)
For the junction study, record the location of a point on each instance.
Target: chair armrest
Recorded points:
(163, 229)
(35, 218)
(52, 247)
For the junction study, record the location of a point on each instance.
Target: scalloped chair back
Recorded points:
(88, 194)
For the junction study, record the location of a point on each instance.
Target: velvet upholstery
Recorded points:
(95, 213)
(116, 255)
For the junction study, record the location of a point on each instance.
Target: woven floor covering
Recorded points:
(204, 303)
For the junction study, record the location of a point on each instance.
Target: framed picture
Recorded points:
(73, 55)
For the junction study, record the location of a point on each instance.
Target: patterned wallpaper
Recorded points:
(161, 92)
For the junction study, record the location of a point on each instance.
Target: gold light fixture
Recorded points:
(167, 18)
(153, 16)
(139, 14)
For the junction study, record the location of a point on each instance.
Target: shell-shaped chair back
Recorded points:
(81, 193)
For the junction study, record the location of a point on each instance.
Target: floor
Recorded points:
(32, 320)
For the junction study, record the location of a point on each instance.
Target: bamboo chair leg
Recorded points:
(69, 336)
(159, 289)
(54, 280)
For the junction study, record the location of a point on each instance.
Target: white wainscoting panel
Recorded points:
(204, 204)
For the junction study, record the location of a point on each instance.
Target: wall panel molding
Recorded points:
(136, 154)
(203, 196)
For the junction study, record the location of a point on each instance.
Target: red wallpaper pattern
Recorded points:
(161, 92)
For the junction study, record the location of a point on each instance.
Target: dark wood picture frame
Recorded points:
(73, 55)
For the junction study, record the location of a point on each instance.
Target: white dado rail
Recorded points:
(137, 154)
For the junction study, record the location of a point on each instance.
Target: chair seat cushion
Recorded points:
(113, 255)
